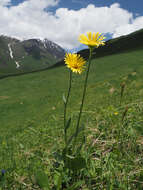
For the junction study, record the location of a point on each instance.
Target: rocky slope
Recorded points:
(28, 55)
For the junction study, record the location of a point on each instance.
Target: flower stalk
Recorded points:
(84, 91)
(77, 64)
(65, 105)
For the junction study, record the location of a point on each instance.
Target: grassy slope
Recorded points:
(28, 64)
(35, 96)
(31, 122)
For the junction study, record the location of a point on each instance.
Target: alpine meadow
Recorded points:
(70, 127)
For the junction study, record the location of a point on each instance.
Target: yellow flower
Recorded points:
(3, 143)
(94, 40)
(74, 62)
(115, 113)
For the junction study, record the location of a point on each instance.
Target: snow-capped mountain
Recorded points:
(28, 55)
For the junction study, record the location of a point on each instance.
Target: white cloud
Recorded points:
(5, 2)
(125, 29)
(30, 20)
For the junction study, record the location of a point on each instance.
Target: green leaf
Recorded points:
(76, 163)
(21, 146)
(58, 180)
(64, 99)
(42, 180)
(75, 185)
(79, 130)
(75, 135)
(80, 147)
(70, 139)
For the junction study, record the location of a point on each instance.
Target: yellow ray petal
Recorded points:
(89, 35)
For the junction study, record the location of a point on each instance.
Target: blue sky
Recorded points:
(62, 21)
(134, 6)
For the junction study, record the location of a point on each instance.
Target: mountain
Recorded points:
(29, 55)
(122, 44)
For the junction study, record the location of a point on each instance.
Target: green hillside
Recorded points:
(29, 64)
(31, 125)
(23, 97)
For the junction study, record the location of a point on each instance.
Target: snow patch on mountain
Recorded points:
(10, 51)
(51, 45)
(17, 64)
(44, 44)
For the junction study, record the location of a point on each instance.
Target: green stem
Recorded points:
(84, 92)
(65, 104)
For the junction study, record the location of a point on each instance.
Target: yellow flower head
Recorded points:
(115, 113)
(94, 40)
(74, 62)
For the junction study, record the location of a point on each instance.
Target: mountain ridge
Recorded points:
(24, 56)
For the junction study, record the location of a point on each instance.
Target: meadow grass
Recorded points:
(31, 126)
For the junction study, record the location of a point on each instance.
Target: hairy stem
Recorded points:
(65, 104)
(84, 92)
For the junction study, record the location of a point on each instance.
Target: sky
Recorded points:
(62, 21)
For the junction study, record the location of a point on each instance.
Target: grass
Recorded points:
(27, 65)
(31, 126)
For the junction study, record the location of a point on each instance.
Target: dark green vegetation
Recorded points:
(31, 126)
(18, 57)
